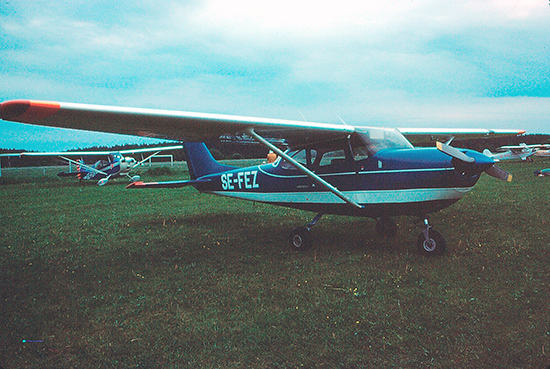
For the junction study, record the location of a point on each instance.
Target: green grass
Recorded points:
(172, 278)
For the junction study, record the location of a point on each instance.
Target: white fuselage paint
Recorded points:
(361, 197)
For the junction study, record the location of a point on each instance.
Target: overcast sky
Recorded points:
(410, 63)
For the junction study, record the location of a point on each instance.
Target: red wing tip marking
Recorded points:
(27, 111)
(135, 184)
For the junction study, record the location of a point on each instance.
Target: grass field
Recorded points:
(104, 277)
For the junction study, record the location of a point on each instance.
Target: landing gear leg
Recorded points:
(301, 236)
(430, 242)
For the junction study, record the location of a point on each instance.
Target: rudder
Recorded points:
(201, 162)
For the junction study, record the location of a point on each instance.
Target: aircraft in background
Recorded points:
(543, 152)
(109, 164)
(521, 151)
(543, 173)
(327, 169)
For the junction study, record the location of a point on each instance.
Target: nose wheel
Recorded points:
(300, 237)
(430, 242)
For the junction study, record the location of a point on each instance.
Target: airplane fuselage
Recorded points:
(391, 182)
(117, 165)
(511, 155)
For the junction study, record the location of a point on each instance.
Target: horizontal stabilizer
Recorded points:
(167, 184)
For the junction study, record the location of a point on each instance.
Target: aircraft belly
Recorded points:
(362, 197)
(376, 203)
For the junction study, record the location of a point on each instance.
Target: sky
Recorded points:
(404, 63)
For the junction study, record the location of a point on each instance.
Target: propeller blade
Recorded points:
(499, 173)
(454, 152)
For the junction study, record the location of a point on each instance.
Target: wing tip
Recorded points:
(27, 111)
(136, 184)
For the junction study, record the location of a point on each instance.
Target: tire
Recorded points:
(300, 239)
(434, 246)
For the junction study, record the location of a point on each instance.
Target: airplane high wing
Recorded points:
(95, 153)
(426, 135)
(329, 168)
(175, 125)
(189, 126)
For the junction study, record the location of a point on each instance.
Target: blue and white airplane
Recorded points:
(328, 169)
(109, 164)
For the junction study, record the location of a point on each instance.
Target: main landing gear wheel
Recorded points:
(434, 244)
(301, 239)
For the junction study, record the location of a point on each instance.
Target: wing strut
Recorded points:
(147, 158)
(314, 177)
(84, 166)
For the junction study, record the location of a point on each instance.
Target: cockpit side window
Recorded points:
(336, 154)
(358, 148)
(330, 158)
(306, 157)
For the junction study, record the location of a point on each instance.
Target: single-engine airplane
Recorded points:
(543, 173)
(328, 168)
(521, 151)
(545, 151)
(109, 164)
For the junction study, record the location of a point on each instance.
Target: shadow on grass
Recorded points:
(332, 234)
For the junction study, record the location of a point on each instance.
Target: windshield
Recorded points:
(377, 139)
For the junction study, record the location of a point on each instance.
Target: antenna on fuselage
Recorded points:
(303, 117)
(341, 120)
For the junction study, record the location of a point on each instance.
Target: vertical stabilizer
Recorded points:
(201, 162)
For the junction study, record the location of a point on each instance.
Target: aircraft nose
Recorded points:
(482, 163)
(481, 159)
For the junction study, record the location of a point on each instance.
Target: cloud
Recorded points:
(407, 61)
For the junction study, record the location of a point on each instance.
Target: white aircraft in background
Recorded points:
(544, 152)
(521, 151)
(108, 164)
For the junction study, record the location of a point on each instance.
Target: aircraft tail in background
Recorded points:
(201, 162)
(488, 153)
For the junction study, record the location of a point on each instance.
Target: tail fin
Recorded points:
(201, 162)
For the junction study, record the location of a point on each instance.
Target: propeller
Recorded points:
(471, 164)
(454, 152)
(499, 173)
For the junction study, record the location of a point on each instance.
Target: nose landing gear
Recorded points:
(430, 242)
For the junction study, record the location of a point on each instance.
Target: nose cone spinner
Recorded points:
(473, 163)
